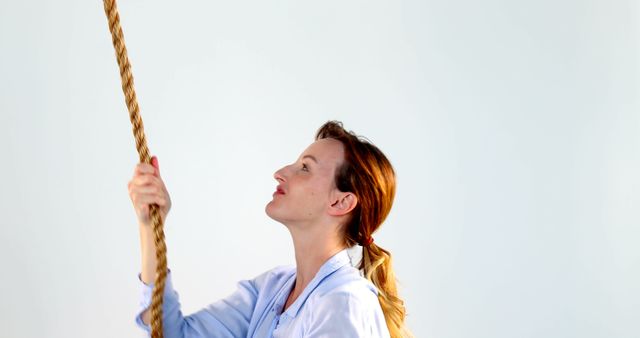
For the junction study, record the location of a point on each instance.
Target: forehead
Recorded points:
(329, 152)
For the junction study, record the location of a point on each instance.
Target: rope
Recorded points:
(117, 36)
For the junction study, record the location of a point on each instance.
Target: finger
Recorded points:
(156, 165)
(147, 199)
(147, 189)
(146, 179)
(144, 168)
(140, 200)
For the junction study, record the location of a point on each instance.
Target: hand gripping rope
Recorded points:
(111, 11)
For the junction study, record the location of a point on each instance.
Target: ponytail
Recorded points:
(376, 266)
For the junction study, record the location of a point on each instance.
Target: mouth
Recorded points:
(278, 191)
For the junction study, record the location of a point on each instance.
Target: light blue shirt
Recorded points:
(338, 302)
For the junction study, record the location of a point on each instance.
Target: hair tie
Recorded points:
(368, 241)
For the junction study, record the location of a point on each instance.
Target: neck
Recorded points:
(312, 250)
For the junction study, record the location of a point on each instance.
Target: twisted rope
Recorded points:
(117, 36)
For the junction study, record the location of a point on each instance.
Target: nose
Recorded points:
(279, 175)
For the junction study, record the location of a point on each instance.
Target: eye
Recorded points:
(304, 167)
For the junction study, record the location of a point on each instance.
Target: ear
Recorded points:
(342, 203)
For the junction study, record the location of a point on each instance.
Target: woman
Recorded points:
(336, 195)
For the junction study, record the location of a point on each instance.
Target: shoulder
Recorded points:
(348, 290)
(347, 282)
(345, 304)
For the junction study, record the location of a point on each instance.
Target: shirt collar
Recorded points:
(334, 263)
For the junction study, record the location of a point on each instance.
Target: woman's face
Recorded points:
(306, 188)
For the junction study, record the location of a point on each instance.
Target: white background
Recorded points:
(514, 128)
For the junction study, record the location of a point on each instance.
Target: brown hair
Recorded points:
(368, 174)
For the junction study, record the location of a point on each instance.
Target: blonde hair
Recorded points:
(368, 174)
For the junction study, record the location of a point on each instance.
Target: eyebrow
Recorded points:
(311, 157)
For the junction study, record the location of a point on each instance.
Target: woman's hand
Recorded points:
(146, 188)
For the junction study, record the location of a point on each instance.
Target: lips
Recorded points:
(279, 190)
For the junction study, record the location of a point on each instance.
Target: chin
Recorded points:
(273, 214)
(268, 209)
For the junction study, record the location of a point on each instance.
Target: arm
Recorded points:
(228, 317)
(146, 188)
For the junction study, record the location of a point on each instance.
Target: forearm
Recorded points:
(148, 254)
(149, 261)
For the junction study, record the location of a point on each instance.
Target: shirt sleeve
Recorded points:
(343, 315)
(228, 317)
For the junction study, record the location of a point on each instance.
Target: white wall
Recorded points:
(514, 128)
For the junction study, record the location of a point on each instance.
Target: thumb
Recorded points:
(155, 164)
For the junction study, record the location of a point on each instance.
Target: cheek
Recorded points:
(311, 194)
(315, 195)
(307, 196)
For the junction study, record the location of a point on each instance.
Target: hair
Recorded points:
(368, 174)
